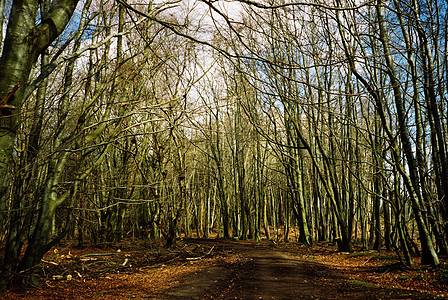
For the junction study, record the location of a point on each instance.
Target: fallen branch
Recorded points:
(77, 273)
(100, 254)
(367, 261)
(50, 262)
(200, 257)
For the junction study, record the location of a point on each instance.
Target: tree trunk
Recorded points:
(23, 43)
(429, 255)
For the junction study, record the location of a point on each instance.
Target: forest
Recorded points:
(306, 121)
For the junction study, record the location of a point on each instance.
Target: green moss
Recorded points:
(391, 267)
(361, 254)
(362, 283)
(442, 277)
(387, 256)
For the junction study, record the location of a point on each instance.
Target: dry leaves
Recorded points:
(138, 269)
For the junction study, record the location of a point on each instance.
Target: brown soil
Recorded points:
(222, 269)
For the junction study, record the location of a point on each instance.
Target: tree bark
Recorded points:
(429, 255)
(24, 42)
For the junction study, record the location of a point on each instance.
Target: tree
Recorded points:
(23, 43)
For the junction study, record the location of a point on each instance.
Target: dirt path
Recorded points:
(208, 269)
(265, 273)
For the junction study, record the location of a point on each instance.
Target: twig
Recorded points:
(201, 257)
(100, 254)
(367, 261)
(125, 262)
(77, 273)
(50, 262)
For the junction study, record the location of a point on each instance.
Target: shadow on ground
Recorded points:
(266, 273)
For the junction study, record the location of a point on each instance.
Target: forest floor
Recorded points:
(224, 269)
